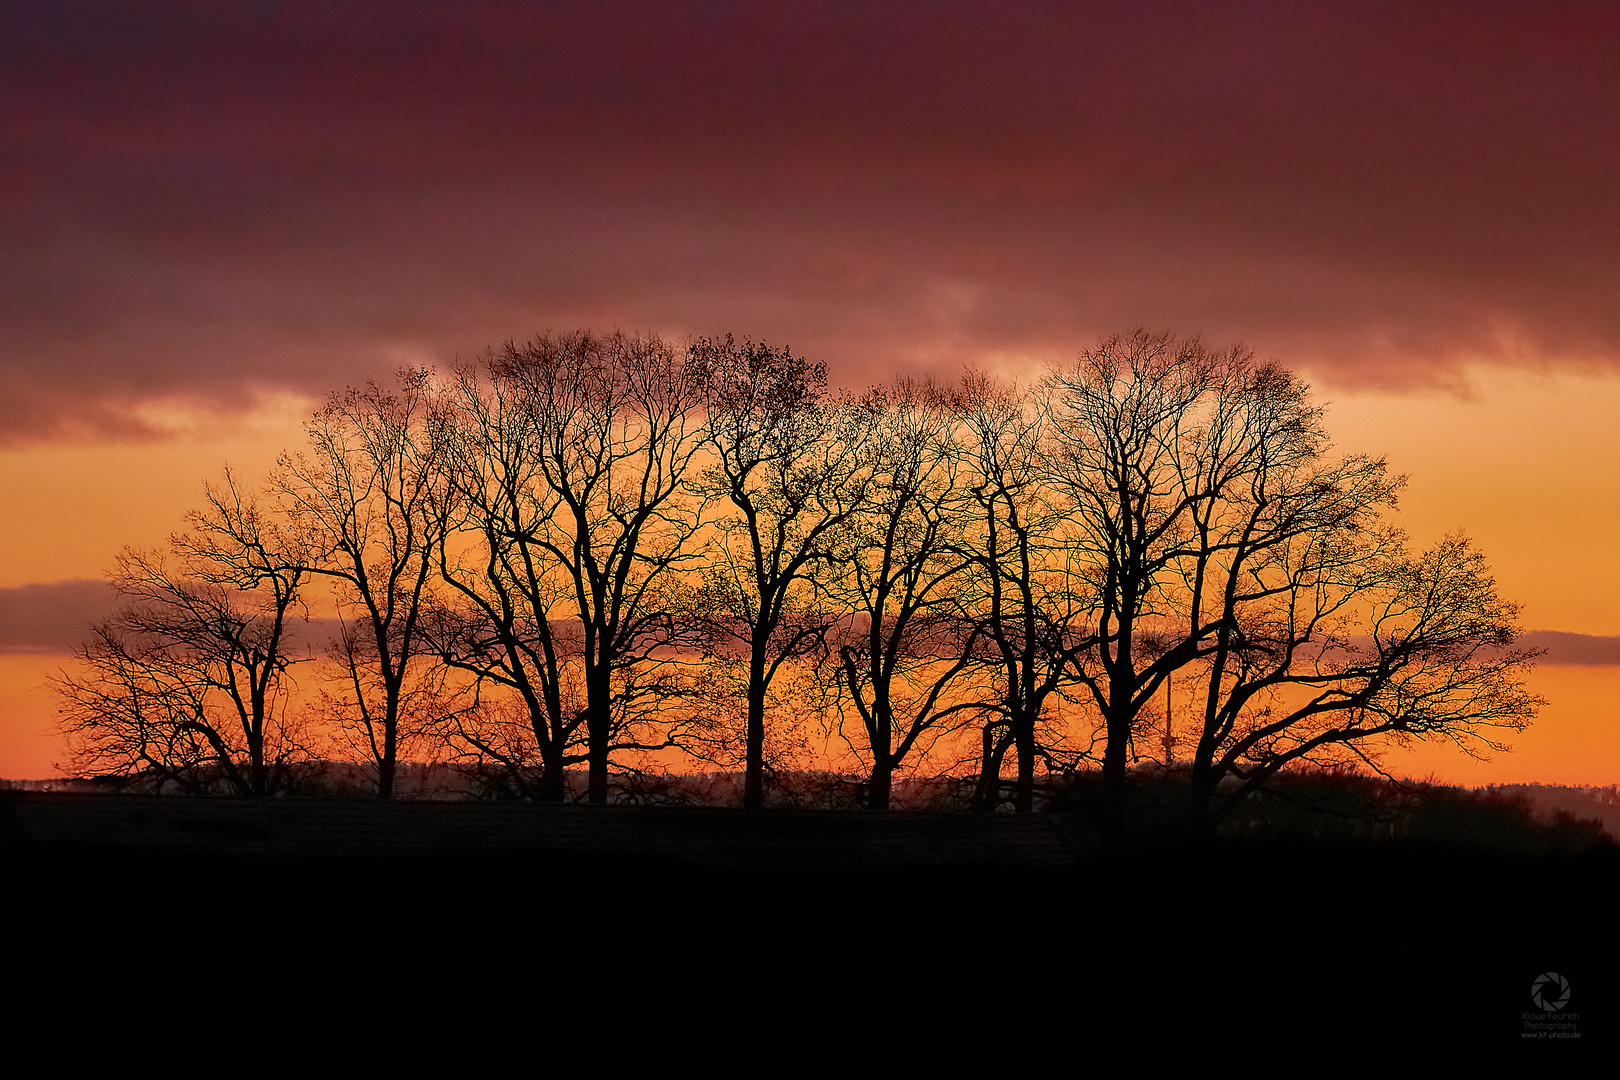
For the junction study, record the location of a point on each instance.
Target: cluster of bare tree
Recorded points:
(588, 549)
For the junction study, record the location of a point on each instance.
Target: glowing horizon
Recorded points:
(1416, 210)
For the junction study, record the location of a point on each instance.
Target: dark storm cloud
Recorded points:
(211, 199)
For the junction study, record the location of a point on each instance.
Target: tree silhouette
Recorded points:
(896, 565)
(570, 461)
(1139, 436)
(791, 463)
(1222, 540)
(188, 683)
(369, 503)
(1029, 603)
(506, 629)
(588, 546)
(1351, 645)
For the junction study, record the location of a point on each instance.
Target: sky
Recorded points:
(212, 214)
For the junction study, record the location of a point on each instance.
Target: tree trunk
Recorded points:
(390, 754)
(754, 766)
(987, 792)
(598, 732)
(754, 737)
(597, 764)
(553, 786)
(258, 775)
(385, 773)
(1116, 759)
(1024, 788)
(1200, 820)
(882, 783)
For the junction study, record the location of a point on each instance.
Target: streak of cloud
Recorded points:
(52, 618)
(1574, 650)
(55, 618)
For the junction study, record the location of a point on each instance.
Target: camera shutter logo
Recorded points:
(1550, 991)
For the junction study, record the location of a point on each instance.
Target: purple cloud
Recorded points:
(215, 199)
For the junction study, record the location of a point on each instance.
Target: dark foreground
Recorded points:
(697, 929)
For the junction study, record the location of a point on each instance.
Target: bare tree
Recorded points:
(1228, 545)
(370, 503)
(571, 462)
(792, 464)
(1029, 602)
(896, 566)
(1126, 427)
(511, 627)
(189, 683)
(1332, 653)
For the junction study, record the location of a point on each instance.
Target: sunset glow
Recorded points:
(214, 217)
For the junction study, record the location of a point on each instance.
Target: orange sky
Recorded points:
(212, 215)
(1508, 458)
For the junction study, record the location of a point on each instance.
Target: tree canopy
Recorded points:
(611, 550)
